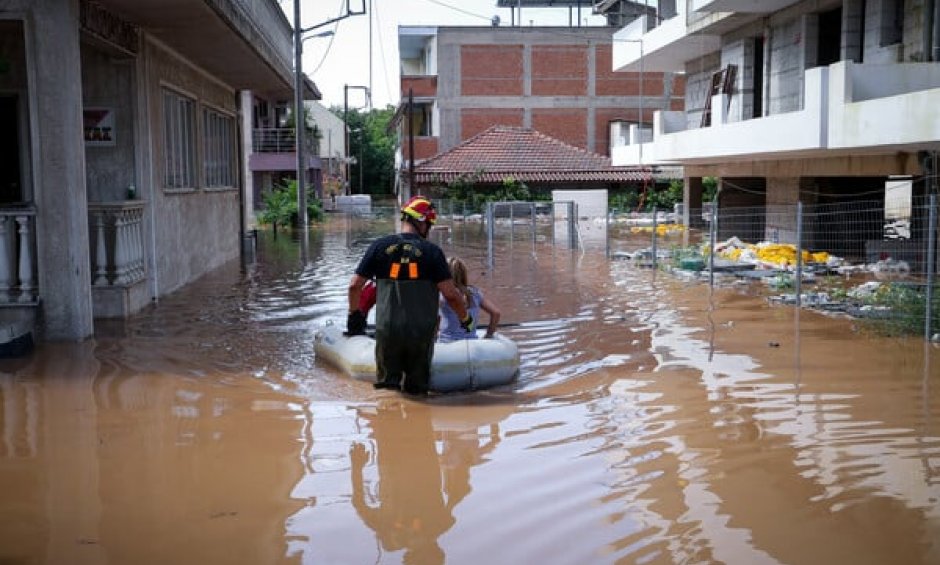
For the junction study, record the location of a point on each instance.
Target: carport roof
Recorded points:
(525, 155)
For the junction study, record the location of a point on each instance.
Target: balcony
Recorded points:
(888, 106)
(741, 6)
(862, 108)
(255, 36)
(274, 149)
(665, 48)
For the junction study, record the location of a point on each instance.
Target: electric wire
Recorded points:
(456, 9)
(329, 45)
(388, 88)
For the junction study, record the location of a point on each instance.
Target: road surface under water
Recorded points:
(653, 422)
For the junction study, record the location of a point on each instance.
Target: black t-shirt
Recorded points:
(379, 257)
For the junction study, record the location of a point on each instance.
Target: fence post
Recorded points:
(655, 218)
(532, 211)
(798, 283)
(607, 231)
(490, 233)
(572, 222)
(712, 235)
(931, 250)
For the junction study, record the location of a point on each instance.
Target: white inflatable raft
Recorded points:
(467, 364)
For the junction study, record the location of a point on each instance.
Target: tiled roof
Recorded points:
(525, 155)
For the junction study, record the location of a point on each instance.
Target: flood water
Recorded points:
(653, 422)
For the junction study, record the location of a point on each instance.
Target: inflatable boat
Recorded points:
(467, 364)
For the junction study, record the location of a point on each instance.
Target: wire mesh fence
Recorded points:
(858, 258)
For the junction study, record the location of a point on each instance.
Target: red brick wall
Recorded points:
(491, 70)
(564, 124)
(476, 120)
(420, 86)
(559, 70)
(609, 83)
(425, 147)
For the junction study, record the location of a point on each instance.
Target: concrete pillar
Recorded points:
(246, 111)
(782, 195)
(59, 164)
(692, 202)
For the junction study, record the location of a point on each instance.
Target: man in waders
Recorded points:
(409, 271)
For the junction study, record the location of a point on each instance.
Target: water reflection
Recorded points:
(411, 502)
(653, 422)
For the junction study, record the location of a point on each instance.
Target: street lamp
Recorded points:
(299, 100)
(346, 89)
(300, 117)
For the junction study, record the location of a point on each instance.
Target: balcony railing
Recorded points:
(18, 256)
(281, 140)
(117, 242)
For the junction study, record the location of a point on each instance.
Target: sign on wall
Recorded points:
(99, 127)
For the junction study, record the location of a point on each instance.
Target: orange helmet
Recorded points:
(419, 208)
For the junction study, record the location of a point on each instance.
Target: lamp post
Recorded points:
(346, 89)
(300, 117)
(361, 143)
(299, 101)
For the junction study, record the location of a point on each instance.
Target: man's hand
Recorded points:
(467, 323)
(356, 323)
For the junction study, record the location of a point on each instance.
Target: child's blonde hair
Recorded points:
(458, 270)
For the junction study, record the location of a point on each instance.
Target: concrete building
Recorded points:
(124, 123)
(556, 80)
(791, 99)
(332, 147)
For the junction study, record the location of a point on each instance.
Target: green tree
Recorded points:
(371, 141)
(280, 206)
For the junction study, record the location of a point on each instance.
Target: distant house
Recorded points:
(120, 178)
(503, 153)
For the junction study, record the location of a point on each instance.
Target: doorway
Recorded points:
(11, 177)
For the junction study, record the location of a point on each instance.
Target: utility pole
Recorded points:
(411, 142)
(299, 120)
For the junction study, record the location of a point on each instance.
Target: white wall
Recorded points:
(591, 203)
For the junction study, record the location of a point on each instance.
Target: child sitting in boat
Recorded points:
(450, 328)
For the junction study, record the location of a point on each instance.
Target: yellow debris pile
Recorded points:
(780, 255)
(661, 229)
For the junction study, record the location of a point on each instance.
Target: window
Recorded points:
(179, 138)
(219, 149)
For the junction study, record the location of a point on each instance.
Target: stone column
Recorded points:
(61, 203)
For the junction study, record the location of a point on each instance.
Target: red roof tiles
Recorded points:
(524, 155)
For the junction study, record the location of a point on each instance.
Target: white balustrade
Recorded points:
(17, 255)
(117, 240)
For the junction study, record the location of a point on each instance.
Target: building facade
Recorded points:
(121, 146)
(792, 100)
(557, 80)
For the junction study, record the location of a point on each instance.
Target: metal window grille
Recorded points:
(219, 149)
(179, 140)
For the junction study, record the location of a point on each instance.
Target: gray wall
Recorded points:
(195, 230)
(108, 81)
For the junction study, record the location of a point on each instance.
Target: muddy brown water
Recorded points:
(653, 422)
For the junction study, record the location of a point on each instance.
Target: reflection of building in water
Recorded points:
(417, 488)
